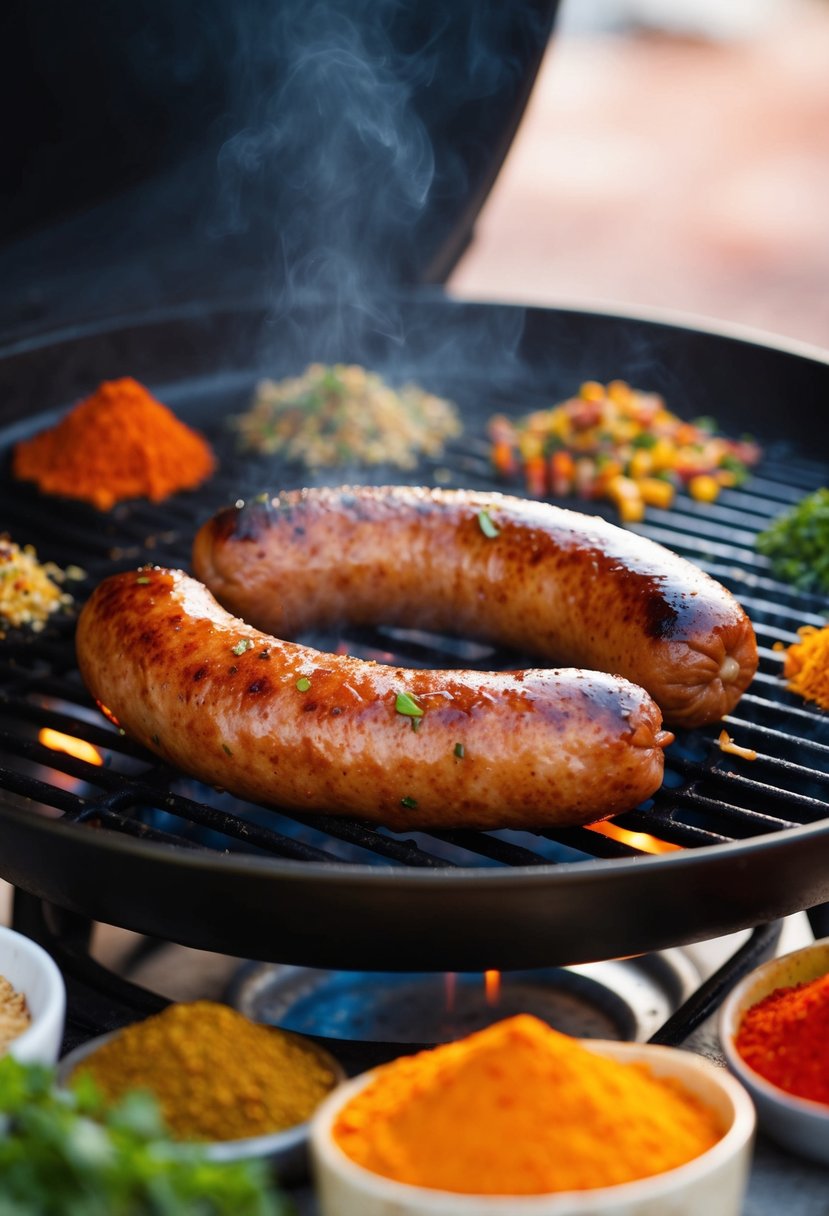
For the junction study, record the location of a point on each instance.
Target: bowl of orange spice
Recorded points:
(774, 1029)
(519, 1120)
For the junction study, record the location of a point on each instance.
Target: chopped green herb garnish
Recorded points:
(459, 751)
(241, 646)
(487, 526)
(156, 740)
(797, 544)
(409, 803)
(142, 578)
(226, 749)
(406, 704)
(303, 684)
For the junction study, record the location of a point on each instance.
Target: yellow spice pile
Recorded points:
(215, 1074)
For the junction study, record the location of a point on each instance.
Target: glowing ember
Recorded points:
(79, 748)
(492, 981)
(637, 840)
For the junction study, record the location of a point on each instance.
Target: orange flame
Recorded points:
(492, 982)
(637, 840)
(79, 748)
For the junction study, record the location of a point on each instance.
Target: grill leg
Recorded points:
(710, 995)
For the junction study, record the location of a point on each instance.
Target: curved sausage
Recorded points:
(572, 588)
(284, 724)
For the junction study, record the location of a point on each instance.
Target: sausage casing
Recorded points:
(287, 725)
(571, 588)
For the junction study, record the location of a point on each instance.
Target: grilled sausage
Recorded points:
(573, 589)
(284, 724)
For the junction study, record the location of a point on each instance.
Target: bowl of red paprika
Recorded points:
(774, 1029)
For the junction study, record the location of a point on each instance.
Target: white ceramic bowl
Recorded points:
(713, 1183)
(286, 1151)
(30, 970)
(796, 1123)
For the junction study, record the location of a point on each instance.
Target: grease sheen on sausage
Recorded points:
(574, 589)
(287, 725)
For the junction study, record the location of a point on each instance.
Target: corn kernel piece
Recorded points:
(656, 492)
(704, 488)
(591, 390)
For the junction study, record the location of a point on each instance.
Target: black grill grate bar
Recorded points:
(779, 707)
(733, 554)
(203, 816)
(41, 792)
(492, 847)
(661, 822)
(98, 735)
(594, 843)
(364, 836)
(759, 583)
(697, 526)
(142, 794)
(753, 823)
(771, 735)
(814, 809)
(761, 609)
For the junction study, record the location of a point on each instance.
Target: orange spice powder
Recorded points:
(119, 443)
(806, 664)
(520, 1109)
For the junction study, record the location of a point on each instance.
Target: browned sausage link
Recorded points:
(574, 589)
(287, 725)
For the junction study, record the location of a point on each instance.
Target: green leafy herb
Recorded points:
(797, 544)
(487, 526)
(706, 423)
(409, 803)
(156, 740)
(459, 751)
(406, 704)
(303, 683)
(142, 578)
(241, 646)
(226, 749)
(65, 1153)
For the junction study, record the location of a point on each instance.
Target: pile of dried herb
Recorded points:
(797, 544)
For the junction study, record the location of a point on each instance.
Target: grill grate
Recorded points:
(708, 797)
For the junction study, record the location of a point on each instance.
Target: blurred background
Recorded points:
(674, 153)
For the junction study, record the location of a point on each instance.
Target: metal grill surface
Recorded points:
(708, 797)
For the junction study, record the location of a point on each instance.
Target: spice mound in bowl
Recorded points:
(519, 1118)
(774, 1029)
(244, 1088)
(32, 1000)
(14, 1014)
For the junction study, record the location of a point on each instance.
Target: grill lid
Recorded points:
(138, 844)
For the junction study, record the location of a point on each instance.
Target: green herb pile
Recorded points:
(62, 1153)
(797, 544)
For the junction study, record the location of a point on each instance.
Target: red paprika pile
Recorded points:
(785, 1037)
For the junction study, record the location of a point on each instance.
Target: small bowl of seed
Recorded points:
(32, 1000)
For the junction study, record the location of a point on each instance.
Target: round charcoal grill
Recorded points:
(132, 842)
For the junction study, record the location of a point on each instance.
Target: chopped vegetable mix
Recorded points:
(340, 414)
(797, 544)
(618, 443)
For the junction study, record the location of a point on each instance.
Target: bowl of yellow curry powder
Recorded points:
(519, 1120)
(240, 1088)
